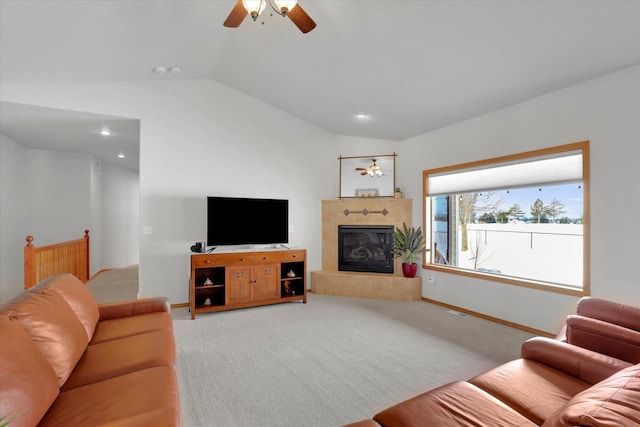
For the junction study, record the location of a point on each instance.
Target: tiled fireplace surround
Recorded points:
(363, 211)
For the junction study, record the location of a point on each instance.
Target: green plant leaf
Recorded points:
(408, 243)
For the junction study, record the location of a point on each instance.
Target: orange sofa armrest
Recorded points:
(608, 311)
(604, 337)
(134, 307)
(579, 362)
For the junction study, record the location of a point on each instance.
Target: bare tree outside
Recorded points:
(514, 212)
(478, 250)
(555, 209)
(538, 211)
(542, 212)
(472, 204)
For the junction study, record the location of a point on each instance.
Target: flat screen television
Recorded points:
(246, 221)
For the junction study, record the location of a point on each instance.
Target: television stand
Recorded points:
(230, 280)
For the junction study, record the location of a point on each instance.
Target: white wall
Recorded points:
(95, 207)
(120, 213)
(605, 111)
(201, 138)
(58, 190)
(13, 207)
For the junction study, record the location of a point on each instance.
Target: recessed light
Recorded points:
(105, 132)
(361, 115)
(161, 69)
(121, 155)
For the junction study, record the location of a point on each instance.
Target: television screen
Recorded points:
(243, 221)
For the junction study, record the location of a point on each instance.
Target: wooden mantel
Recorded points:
(363, 211)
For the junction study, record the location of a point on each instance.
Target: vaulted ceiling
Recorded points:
(411, 66)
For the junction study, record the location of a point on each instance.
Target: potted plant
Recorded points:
(407, 244)
(398, 193)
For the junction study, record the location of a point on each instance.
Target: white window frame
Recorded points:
(563, 153)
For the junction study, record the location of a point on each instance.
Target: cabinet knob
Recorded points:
(241, 259)
(206, 261)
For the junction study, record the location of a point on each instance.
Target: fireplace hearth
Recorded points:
(365, 248)
(331, 281)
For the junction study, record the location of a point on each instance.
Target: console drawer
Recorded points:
(288, 256)
(223, 259)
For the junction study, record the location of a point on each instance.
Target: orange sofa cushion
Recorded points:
(531, 388)
(79, 299)
(143, 398)
(612, 402)
(114, 329)
(28, 384)
(448, 406)
(53, 326)
(118, 357)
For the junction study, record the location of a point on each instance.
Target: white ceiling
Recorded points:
(413, 66)
(71, 131)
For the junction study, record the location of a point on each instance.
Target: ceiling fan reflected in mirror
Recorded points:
(289, 8)
(372, 170)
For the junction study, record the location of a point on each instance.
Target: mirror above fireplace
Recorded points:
(367, 176)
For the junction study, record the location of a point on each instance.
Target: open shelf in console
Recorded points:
(292, 279)
(209, 286)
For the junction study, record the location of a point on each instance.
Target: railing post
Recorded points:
(29, 263)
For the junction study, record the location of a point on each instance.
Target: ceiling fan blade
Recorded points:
(237, 15)
(300, 18)
(363, 173)
(362, 169)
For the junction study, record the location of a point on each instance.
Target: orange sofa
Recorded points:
(606, 327)
(67, 361)
(589, 378)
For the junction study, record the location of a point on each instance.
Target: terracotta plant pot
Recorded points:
(409, 270)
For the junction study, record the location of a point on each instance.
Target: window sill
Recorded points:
(531, 284)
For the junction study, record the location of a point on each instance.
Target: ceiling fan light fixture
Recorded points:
(254, 7)
(372, 170)
(285, 6)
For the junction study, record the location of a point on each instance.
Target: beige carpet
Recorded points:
(119, 284)
(326, 363)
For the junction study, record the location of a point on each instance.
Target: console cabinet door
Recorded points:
(239, 284)
(267, 282)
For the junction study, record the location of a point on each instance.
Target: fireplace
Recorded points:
(365, 248)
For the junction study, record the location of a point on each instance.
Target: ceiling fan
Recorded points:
(372, 170)
(289, 8)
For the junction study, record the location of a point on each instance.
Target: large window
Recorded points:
(521, 219)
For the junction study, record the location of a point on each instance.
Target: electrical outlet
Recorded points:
(147, 229)
(431, 278)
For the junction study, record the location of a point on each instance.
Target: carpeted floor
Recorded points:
(329, 362)
(118, 284)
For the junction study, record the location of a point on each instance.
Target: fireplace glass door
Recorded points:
(365, 248)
